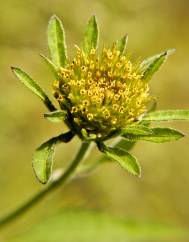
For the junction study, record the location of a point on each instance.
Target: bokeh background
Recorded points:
(162, 194)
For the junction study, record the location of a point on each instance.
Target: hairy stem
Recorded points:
(51, 187)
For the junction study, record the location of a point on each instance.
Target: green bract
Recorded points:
(101, 95)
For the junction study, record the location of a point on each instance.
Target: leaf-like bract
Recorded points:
(167, 115)
(43, 156)
(56, 116)
(137, 130)
(51, 65)
(124, 158)
(122, 44)
(159, 135)
(43, 160)
(56, 42)
(152, 64)
(91, 36)
(33, 86)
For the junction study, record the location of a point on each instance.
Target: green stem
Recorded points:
(52, 186)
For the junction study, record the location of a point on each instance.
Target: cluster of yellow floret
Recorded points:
(102, 92)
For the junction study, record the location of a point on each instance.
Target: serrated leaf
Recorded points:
(137, 130)
(56, 42)
(43, 160)
(50, 64)
(33, 86)
(122, 43)
(56, 116)
(91, 35)
(124, 158)
(152, 64)
(167, 115)
(159, 135)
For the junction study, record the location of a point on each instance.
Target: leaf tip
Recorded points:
(170, 51)
(13, 68)
(54, 17)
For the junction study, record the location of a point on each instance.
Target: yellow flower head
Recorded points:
(102, 93)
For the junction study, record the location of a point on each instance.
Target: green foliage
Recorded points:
(151, 65)
(91, 35)
(50, 64)
(43, 160)
(167, 115)
(93, 226)
(137, 130)
(56, 42)
(33, 86)
(56, 116)
(122, 44)
(43, 156)
(158, 135)
(125, 159)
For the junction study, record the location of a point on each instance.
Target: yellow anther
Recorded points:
(118, 65)
(114, 120)
(89, 74)
(86, 103)
(130, 112)
(121, 110)
(83, 68)
(115, 107)
(74, 110)
(116, 97)
(71, 96)
(109, 55)
(90, 81)
(90, 93)
(84, 109)
(90, 116)
(82, 91)
(78, 83)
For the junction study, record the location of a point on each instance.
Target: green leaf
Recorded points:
(56, 42)
(122, 43)
(43, 156)
(56, 116)
(50, 64)
(125, 145)
(33, 86)
(137, 130)
(91, 35)
(167, 115)
(79, 225)
(152, 64)
(43, 160)
(125, 159)
(159, 135)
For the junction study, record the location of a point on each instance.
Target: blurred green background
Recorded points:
(162, 194)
